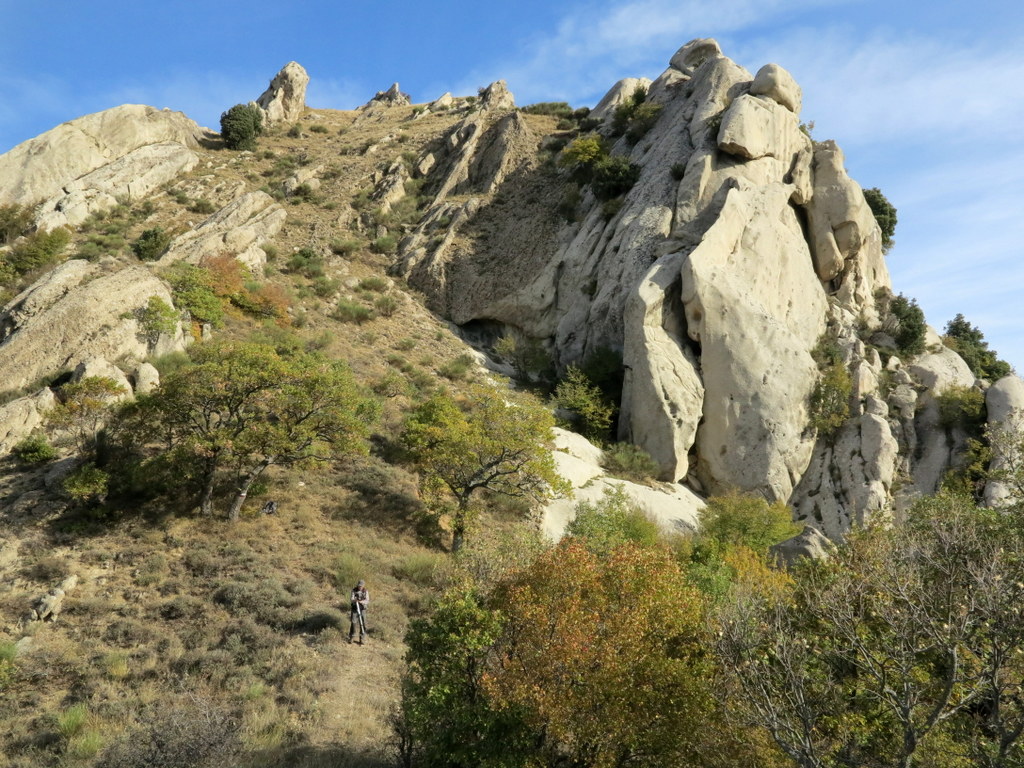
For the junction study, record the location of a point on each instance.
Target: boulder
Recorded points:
(146, 379)
(693, 54)
(392, 97)
(304, 176)
(391, 188)
(43, 293)
(619, 93)
(40, 168)
(940, 370)
(673, 507)
(97, 367)
(441, 103)
(809, 543)
(285, 98)
(778, 85)
(497, 96)
(21, 417)
(239, 228)
(129, 178)
(1004, 401)
(96, 319)
(754, 127)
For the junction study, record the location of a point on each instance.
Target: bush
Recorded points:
(593, 413)
(348, 569)
(625, 112)
(747, 520)
(345, 247)
(644, 118)
(15, 221)
(387, 244)
(614, 176)
(87, 484)
(386, 306)
(613, 520)
(241, 125)
(910, 332)
(38, 250)
(348, 311)
(373, 284)
(830, 400)
(552, 108)
(306, 262)
(202, 205)
(630, 462)
(885, 215)
(969, 342)
(458, 368)
(582, 155)
(34, 449)
(158, 318)
(318, 128)
(962, 407)
(193, 292)
(151, 244)
(419, 568)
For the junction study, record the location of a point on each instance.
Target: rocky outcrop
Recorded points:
(64, 320)
(128, 179)
(808, 544)
(673, 507)
(1004, 401)
(239, 229)
(21, 417)
(145, 379)
(392, 97)
(619, 93)
(285, 98)
(778, 85)
(40, 168)
(497, 96)
(97, 367)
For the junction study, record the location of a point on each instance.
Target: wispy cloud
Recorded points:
(592, 47)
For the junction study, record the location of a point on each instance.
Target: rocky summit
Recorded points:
(687, 249)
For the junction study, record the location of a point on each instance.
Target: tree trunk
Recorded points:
(458, 529)
(206, 500)
(243, 490)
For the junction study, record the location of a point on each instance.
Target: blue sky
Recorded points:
(925, 98)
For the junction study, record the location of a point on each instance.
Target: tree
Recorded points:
(244, 407)
(498, 441)
(902, 650)
(151, 244)
(592, 411)
(85, 407)
(241, 125)
(910, 325)
(969, 342)
(612, 521)
(885, 215)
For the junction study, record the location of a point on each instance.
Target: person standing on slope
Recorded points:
(357, 611)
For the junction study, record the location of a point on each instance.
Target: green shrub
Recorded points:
(419, 568)
(34, 449)
(962, 407)
(458, 368)
(345, 247)
(38, 250)
(911, 327)
(386, 244)
(552, 108)
(318, 128)
(373, 283)
(885, 215)
(610, 208)
(644, 118)
(306, 262)
(72, 720)
(87, 484)
(613, 520)
(158, 318)
(630, 462)
(15, 221)
(592, 412)
(614, 176)
(386, 306)
(625, 112)
(830, 399)
(202, 205)
(348, 569)
(324, 286)
(295, 132)
(582, 154)
(192, 287)
(969, 342)
(241, 125)
(348, 311)
(151, 244)
(737, 519)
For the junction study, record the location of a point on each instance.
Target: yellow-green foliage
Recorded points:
(830, 399)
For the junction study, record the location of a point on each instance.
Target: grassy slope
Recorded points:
(191, 619)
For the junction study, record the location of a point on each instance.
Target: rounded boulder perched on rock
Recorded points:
(285, 98)
(778, 85)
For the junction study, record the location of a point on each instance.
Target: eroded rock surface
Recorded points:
(285, 97)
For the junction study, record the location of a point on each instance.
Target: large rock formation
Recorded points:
(75, 313)
(739, 247)
(40, 168)
(285, 97)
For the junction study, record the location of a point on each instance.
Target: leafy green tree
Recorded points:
(85, 407)
(15, 221)
(151, 244)
(241, 125)
(830, 399)
(969, 342)
(910, 330)
(194, 291)
(885, 215)
(592, 412)
(612, 521)
(614, 176)
(901, 650)
(582, 154)
(495, 441)
(748, 520)
(243, 408)
(158, 318)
